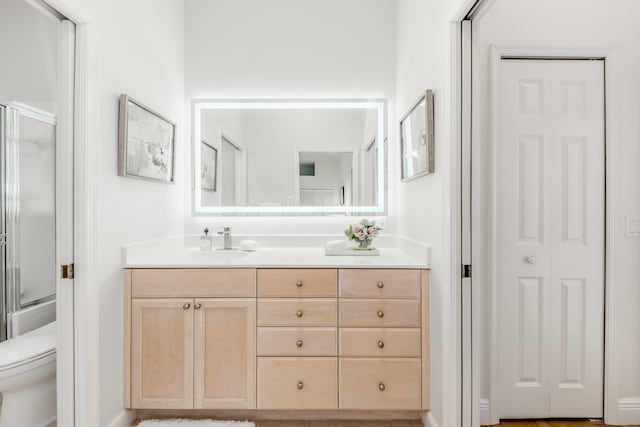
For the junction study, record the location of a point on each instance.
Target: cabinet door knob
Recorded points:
(299, 283)
(299, 313)
(381, 387)
(197, 306)
(186, 306)
(380, 314)
(380, 344)
(300, 385)
(299, 343)
(380, 284)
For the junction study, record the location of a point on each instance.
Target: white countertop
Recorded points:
(270, 257)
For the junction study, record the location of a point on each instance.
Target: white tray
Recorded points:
(351, 252)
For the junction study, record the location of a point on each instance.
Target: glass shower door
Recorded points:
(30, 198)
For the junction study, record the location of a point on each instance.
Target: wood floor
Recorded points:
(323, 423)
(559, 423)
(417, 423)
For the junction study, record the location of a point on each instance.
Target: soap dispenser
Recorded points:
(206, 241)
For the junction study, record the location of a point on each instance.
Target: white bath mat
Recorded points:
(194, 423)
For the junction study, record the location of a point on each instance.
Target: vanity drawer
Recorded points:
(190, 283)
(297, 383)
(297, 283)
(366, 313)
(387, 384)
(297, 342)
(379, 342)
(297, 312)
(379, 283)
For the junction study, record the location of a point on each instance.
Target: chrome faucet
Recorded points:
(227, 237)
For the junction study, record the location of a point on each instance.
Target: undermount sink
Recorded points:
(219, 255)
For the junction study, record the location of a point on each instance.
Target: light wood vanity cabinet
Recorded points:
(285, 339)
(197, 351)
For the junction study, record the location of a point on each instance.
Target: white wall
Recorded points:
(593, 24)
(422, 63)
(215, 124)
(287, 49)
(29, 55)
(140, 52)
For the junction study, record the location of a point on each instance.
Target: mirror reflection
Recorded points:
(288, 156)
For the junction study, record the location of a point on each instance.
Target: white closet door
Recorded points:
(550, 213)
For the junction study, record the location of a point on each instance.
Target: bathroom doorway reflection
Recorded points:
(37, 91)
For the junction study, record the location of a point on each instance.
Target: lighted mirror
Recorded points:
(288, 156)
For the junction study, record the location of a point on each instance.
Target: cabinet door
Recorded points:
(225, 353)
(162, 353)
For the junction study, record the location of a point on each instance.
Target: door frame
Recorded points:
(609, 57)
(499, 53)
(83, 408)
(296, 165)
(464, 373)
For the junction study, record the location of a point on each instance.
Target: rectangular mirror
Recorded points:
(288, 156)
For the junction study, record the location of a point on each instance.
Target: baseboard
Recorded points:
(276, 414)
(123, 419)
(485, 412)
(629, 411)
(427, 420)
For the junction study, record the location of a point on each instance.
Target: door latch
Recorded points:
(66, 271)
(466, 271)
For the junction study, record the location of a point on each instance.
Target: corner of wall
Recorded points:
(427, 420)
(123, 419)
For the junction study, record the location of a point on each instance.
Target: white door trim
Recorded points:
(86, 287)
(611, 392)
(64, 224)
(453, 330)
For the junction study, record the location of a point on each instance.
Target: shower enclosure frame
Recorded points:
(10, 113)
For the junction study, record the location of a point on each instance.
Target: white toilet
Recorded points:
(28, 379)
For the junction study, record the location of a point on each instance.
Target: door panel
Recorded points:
(36, 219)
(549, 178)
(162, 353)
(225, 353)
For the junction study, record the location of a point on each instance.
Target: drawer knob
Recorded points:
(197, 306)
(380, 284)
(300, 385)
(380, 314)
(381, 387)
(299, 343)
(299, 283)
(299, 313)
(186, 306)
(380, 344)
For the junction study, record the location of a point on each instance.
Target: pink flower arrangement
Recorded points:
(363, 232)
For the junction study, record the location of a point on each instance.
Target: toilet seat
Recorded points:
(28, 348)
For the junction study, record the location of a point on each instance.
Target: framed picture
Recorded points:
(417, 139)
(146, 143)
(208, 166)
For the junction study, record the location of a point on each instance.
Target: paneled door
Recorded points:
(549, 236)
(162, 353)
(225, 353)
